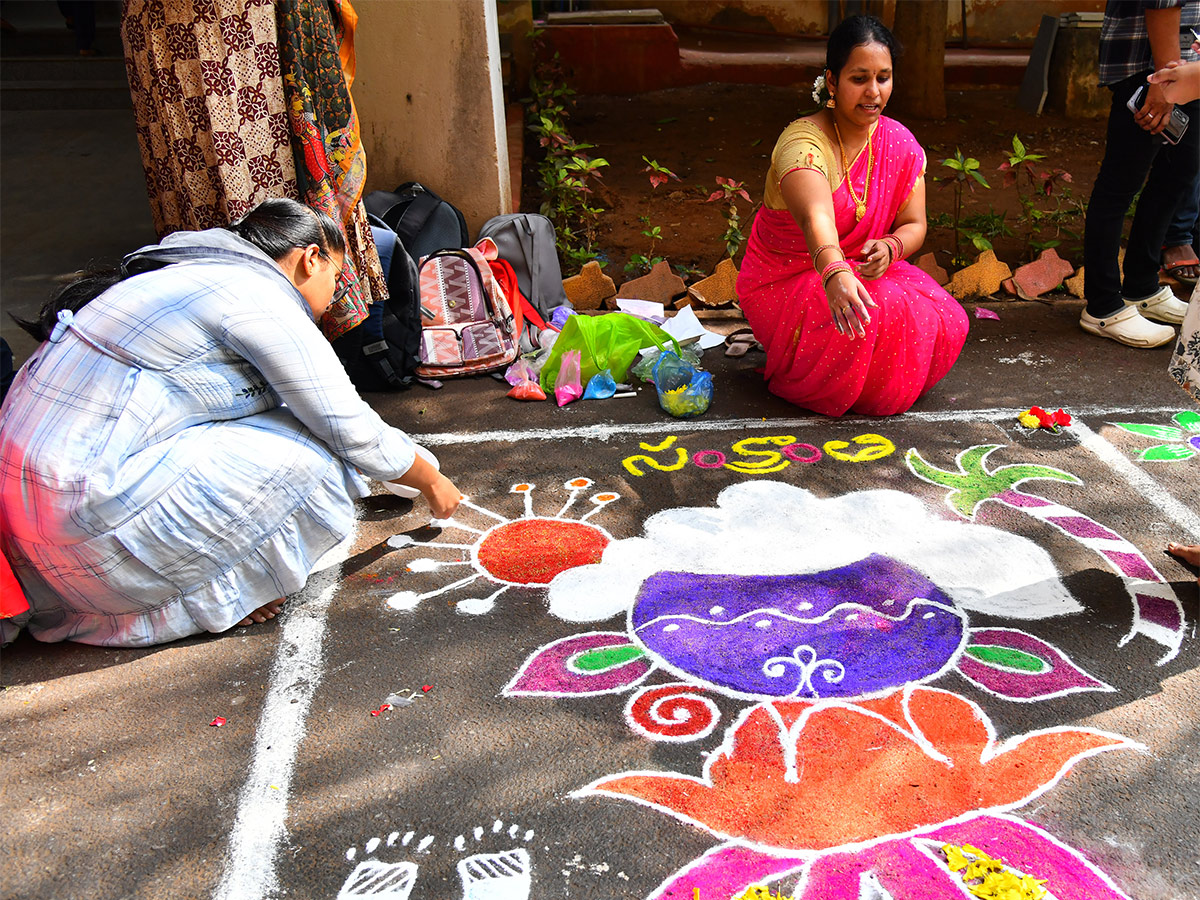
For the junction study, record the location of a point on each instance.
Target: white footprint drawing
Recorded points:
(503, 875)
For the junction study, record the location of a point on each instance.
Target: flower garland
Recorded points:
(1036, 417)
(820, 92)
(988, 878)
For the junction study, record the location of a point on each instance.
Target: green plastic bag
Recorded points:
(610, 341)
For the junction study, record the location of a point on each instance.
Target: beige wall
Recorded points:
(430, 102)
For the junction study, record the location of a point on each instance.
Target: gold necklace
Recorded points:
(860, 203)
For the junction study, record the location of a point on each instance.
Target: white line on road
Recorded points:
(260, 824)
(605, 431)
(1151, 490)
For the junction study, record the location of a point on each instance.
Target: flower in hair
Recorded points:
(819, 93)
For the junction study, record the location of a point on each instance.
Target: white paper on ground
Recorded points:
(684, 325)
(643, 309)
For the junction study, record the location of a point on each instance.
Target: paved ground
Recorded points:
(616, 732)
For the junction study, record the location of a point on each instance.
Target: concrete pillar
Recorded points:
(430, 101)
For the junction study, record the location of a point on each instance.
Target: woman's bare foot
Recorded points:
(1189, 553)
(264, 612)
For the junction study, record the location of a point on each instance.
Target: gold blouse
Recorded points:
(803, 145)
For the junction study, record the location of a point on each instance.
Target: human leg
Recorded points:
(1172, 174)
(1128, 154)
(1179, 257)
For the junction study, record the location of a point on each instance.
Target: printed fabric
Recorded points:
(219, 133)
(913, 338)
(181, 452)
(1185, 362)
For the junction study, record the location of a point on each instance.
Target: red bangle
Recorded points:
(834, 268)
(816, 253)
(898, 249)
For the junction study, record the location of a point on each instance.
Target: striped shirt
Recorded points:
(1125, 44)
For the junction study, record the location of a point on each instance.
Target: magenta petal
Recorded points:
(548, 673)
(1032, 851)
(726, 871)
(1061, 676)
(982, 313)
(898, 867)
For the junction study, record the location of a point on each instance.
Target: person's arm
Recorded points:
(909, 226)
(1162, 27)
(1180, 81)
(269, 329)
(809, 199)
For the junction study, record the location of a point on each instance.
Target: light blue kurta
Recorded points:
(181, 453)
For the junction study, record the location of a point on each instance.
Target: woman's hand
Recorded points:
(438, 490)
(876, 257)
(848, 304)
(1180, 81)
(443, 497)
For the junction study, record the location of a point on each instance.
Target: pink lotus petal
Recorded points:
(1060, 677)
(548, 673)
(981, 313)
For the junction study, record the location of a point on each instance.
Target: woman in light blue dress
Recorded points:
(180, 451)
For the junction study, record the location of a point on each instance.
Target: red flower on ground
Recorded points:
(812, 776)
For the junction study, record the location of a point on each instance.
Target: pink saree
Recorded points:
(915, 335)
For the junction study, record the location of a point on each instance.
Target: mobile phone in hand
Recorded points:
(1177, 125)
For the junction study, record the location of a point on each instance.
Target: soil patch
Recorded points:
(713, 130)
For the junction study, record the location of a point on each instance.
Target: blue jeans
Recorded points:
(1182, 230)
(1134, 159)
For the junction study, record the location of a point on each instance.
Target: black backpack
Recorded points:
(381, 352)
(424, 221)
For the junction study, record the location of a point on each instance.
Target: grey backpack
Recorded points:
(526, 241)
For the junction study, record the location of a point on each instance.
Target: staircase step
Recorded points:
(53, 94)
(62, 68)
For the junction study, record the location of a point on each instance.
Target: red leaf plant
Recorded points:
(811, 776)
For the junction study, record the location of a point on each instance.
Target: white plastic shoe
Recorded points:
(403, 490)
(1128, 327)
(1162, 306)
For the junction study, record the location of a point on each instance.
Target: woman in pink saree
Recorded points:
(847, 324)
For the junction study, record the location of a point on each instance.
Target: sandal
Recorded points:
(1175, 269)
(741, 342)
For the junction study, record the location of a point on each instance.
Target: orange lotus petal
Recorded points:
(856, 772)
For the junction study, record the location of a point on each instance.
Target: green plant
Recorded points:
(1032, 184)
(966, 175)
(728, 192)
(645, 261)
(982, 229)
(658, 174)
(566, 172)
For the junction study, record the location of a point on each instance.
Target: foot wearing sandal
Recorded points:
(1162, 306)
(263, 613)
(1127, 327)
(1181, 264)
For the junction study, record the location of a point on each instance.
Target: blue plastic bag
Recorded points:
(600, 386)
(683, 392)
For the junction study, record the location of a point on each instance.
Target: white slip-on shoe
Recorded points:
(1128, 327)
(1162, 306)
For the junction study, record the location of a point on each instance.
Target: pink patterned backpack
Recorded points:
(468, 325)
